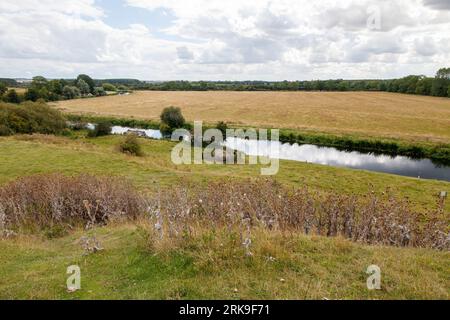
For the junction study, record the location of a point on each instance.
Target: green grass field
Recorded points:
(28, 155)
(303, 268)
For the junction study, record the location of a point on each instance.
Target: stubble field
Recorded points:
(362, 114)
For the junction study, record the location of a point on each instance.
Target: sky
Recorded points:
(224, 39)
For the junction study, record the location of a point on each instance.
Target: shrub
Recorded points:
(103, 128)
(130, 145)
(172, 117)
(31, 117)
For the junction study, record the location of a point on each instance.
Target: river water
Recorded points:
(399, 165)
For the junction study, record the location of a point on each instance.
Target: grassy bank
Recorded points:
(283, 266)
(28, 155)
(209, 263)
(438, 153)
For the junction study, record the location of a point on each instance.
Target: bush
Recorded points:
(103, 128)
(130, 145)
(172, 117)
(31, 117)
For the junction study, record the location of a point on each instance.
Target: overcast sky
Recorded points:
(224, 39)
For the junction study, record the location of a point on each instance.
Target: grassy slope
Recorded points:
(27, 156)
(312, 267)
(408, 118)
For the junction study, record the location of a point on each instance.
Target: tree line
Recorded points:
(85, 86)
(41, 88)
(438, 86)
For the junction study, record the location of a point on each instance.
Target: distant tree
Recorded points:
(123, 88)
(3, 88)
(32, 94)
(441, 83)
(83, 86)
(39, 82)
(382, 86)
(99, 92)
(56, 86)
(11, 96)
(448, 91)
(424, 86)
(71, 92)
(88, 80)
(172, 117)
(109, 87)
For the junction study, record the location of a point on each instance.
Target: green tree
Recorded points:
(56, 86)
(83, 86)
(424, 86)
(441, 83)
(99, 92)
(32, 94)
(172, 117)
(448, 91)
(71, 92)
(88, 80)
(39, 82)
(109, 87)
(3, 88)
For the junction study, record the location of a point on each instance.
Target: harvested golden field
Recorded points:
(20, 90)
(370, 114)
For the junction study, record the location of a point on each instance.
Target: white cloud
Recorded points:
(233, 39)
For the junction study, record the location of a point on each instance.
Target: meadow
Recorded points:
(210, 263)
(203, 261)
(409, 118)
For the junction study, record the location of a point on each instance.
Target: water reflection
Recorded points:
(149, 133)
(399, 165)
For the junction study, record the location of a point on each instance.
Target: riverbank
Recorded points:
(28, 155)
(439, 153)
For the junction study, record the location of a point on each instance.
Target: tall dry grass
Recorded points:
(372, 219)
(177, 214)
(56, 201)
